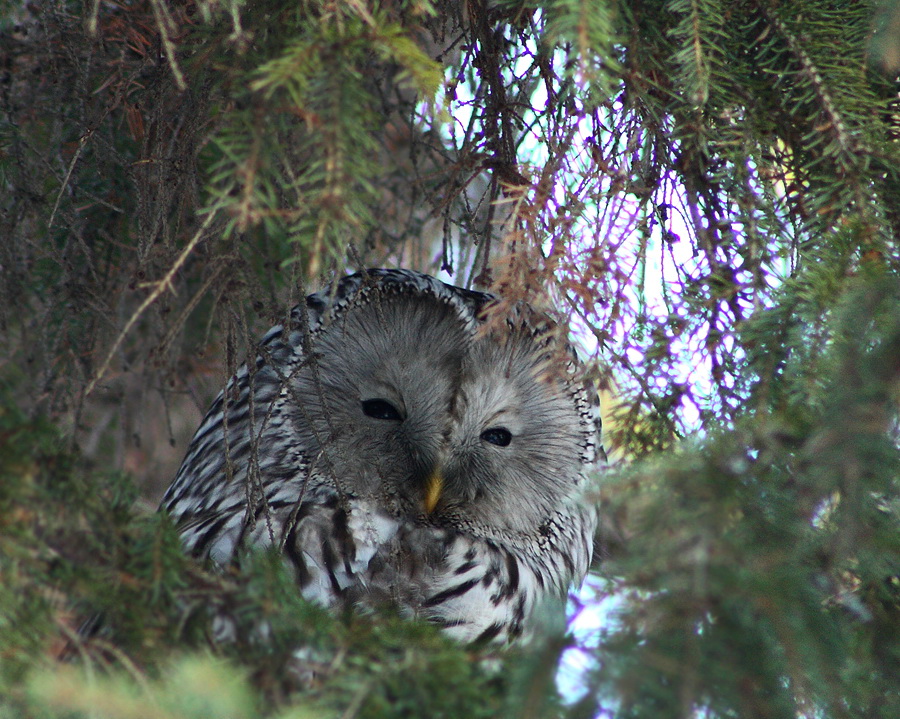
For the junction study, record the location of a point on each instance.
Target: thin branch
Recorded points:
(158, 289)
(65, 183)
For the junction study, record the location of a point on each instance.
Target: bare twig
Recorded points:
(65, 183)
(158, 289)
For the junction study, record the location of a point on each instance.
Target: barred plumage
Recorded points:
(398, 447)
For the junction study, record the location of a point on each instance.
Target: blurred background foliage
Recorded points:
(708, 189)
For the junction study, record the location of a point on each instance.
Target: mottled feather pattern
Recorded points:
(328, 447)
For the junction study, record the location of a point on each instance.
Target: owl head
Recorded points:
(417, 394)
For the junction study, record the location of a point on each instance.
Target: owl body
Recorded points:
(399, 447)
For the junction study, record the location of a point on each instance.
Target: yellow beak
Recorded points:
(433, 488)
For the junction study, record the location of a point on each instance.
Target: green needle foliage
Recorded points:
(326, 119)
(709, 189)
(765, 561)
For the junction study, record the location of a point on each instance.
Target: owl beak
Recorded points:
(433, 486)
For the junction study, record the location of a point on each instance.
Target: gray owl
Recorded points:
(398, 444)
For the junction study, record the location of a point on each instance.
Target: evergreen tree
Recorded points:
(710, 190)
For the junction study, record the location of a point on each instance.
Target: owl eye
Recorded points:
(497, 435)
(381, 409)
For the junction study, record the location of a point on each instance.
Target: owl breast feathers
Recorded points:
(401, 444)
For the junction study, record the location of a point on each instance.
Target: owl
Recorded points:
(400, 443)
